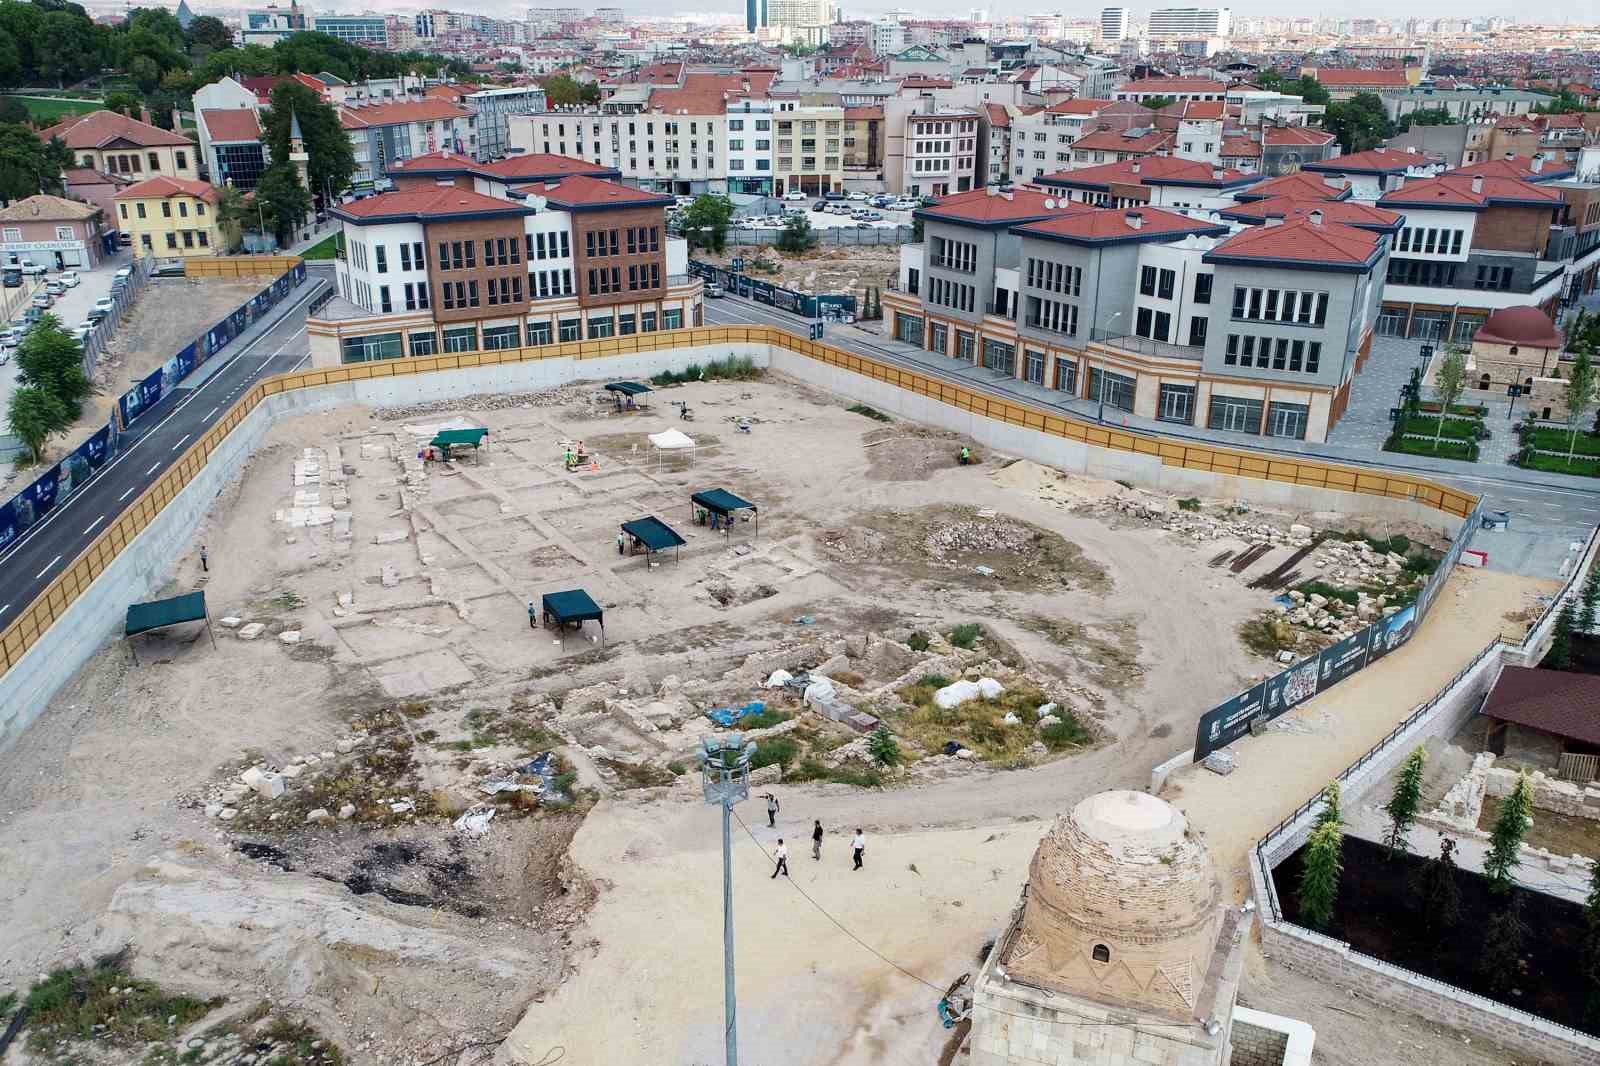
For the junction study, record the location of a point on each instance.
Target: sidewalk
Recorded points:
(318, 235)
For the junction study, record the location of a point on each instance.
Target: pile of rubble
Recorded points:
(1357, 562)
(268, 781)
(493, 401)
(1335, 617)
(948, 542)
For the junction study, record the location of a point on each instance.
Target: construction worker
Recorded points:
(533, 616)
(204, 560)
(621, 545)
(816, 841)
(857, 846)
(966, 455)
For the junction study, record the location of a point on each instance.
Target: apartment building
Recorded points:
(1373, 173)
(1143, 89)
(678, 152)
(1040, 141)
(383, 134)
(173, 218)
(808, 149)
(113, 143)
(1159, 181)
(1254, 329)
(942, 153)
(864, 137)
(494, 108)
(440, 268)
(747, 147)
(1469, 245)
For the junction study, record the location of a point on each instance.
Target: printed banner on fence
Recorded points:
(1387, 635)
(1228, 721)
(1341, 659)
(33, 503)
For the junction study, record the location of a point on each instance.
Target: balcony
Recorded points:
(954, 267)
(1146, 346)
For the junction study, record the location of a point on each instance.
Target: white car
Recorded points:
(905, 205)
(32, 269)
(70, 278)
(856, 196)
(105, 303)
(123, 274)
(794, 194)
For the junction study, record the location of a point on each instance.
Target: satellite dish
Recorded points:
(1049, 205)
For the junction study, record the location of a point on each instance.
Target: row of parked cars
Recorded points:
(45, 300)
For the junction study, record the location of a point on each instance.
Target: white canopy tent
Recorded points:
(672, 442)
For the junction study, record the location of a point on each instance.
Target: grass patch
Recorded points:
(1065, 734)
(1453, 429)
(733, 368)
(1267, 635)
(49, 112)
(812, 770)
(869, 412)
(1189, 503)
(1558, 440)
(965, 635)
(490, 728)
(978, 724)
(631, 776)
(1443, 449)
(917, 641)
(77, 1004)
(327, 248)
(782, 750)
(1560, 464)
(1332, 592)
(765, 720)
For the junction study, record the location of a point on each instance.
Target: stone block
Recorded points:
(264, 783)
(770, 774)
(347, 811)
(319, 815)
(1499, 783)
(289, 636)
(251, 631)
(293, 771)
(230, 622)
(390, 576)
(391, 536)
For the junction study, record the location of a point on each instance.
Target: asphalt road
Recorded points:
(1554, 509)
(154, 443)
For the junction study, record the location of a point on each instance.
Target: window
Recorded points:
(1163, 326)
(200, 235)
(122, 208)
(497, 338)
(405, 258)
(424, 343)
(1165, 281)
(366, 349)
(672, 318)
(571, 329)
(1176, 404)
(183, 208)
(155, 162)
(1144, 317)
(384, 303)
(444, 255)
(625, 324)
(538, 333)
(172, 240)
(1147, 284)
(1197, 331)
(1066, 376)
(1202, 288)
(381, 258)
(461, 339)
(166, 208)
(647, 322)
(600, 327)
(1234, 414)
(1114, 390)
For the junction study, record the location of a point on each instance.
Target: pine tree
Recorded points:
(1439, 892)
(1590, 964)
(1402, 806)
(1588, 604)
(1319, 875)
(885, 752)
(1559, 657)
(1500, 963)
(1510, 826)
(1331, 815)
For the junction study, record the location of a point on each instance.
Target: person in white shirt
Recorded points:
(782, 855)
(857, 846)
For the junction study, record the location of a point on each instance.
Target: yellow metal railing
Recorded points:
(53, 602)
(238, 266)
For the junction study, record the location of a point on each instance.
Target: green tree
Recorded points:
(123, 102)
(145, 72)
(1448, 381)
(1308, 89)
(560, 90)
(50, 358)
(68, 49)
(33, 416)
(210, 32)
(1318, 890)
(882, 746)
(705, 222)
(588, 92)
(10, 60)
(13, 111)
(27, 164)
(332, 160)
(1359, 123)
(1439, 893)
(1588, 604)
(1510, 826)
(1331, 812)
(1500, 963)
(1427, 116)
(1580, 392)
(1559, 657)
(160, 24)
(1270, 80)
(1156, 103)
(1402, 806)
(282, 201)
(796, 236)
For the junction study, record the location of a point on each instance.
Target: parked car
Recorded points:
(12, 278)
(104, 305)
(857, 196)
(44, 301)
(819, 206)
(794, 194)
(714, 291)
(55, 288)
(31, 268)
(124, 239)
(10, 337)
(70, 278)
(881, 200)
(81, 333)
(95, 316)
(831, 195)
(30, 316)
(123, 274)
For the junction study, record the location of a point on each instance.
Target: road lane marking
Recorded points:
(152, 469)
(4, 609)
(47, 567)
(125, 495)
(181, 439)
(211, 412)
(96, 522)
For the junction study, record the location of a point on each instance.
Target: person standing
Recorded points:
(621, 545)
(816, 841)
(772, 811)
(857, 846)
(533, 616)
(205, 560)
(782, 855)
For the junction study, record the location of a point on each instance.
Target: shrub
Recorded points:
(1318, 890)
(765, 720)
(1189, 503)
(885, 752)
(965, 635)
(781, 750)
(1510, 826)
(917, 641)
(1332, 592)
(933, 681)
(733, 368)
(1067, 733)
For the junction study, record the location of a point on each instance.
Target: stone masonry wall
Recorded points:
(1255, 1046)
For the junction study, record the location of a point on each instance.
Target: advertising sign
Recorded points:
(1339, 661)
(1290, 688)
(1228, 721)
(1389, 634)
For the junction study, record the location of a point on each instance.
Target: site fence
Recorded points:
(827, 305)
(845, 235)
(36, 617)
(57, 484)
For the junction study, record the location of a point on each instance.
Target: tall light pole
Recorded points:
(725, 763)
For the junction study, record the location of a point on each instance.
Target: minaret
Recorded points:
(297, 149)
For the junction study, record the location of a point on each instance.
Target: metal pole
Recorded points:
(729, 1010)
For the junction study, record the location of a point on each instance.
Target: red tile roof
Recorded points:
(1285, 136)
(1372, 161)
(1202, 110)
(425, 110)
(539, 165)
(1518, 166)
(163, 187)
(1301, 240)
(859, 114)
(1116, 141)
(1301, 185)
(1341, 79)
(998, 115)
(1149, 170)
(100, 129)
(421, 204)
(1171, 86)
(1551, 701)
(91, 176)
(1455, 189)
(1096, 225)
(1344, 212)
(585, 192)
(1078, 106)
(231, 124)
(990, 206)
(1240, 148)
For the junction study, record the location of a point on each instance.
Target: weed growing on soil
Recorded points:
(1189, 503)
(978, 724)
(1065, 734)
(1332, 592)
(78, 1004)
(812, 770)
(733, 368)
(641, 776)
(1267, 635)
(781, 750)
(1111, 662)
(965, 635)
(869, 412)
(917, 641)
(765, 720)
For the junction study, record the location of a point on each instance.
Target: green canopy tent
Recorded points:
(654, 534)
(464, 438)
(722, 504)
(158, 614)
(630, 394)
(574, 606)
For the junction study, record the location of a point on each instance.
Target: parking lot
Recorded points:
(834, 214)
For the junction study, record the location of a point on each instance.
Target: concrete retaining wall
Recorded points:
(1076, 457)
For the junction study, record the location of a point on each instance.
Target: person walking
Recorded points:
(816, 841)
(857, 846)
(782, 855)
(621, 545)
(772, 810)
(205, 560)
(533, 616)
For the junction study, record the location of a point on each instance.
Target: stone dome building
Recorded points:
(1122, 906)
(1120, 951)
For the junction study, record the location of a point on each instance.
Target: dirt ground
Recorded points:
(168, 314)
(395, 674)
(824, 269)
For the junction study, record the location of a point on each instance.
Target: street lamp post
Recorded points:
(1100, 393)
(725, 764)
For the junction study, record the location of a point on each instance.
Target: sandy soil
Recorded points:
(825, 269)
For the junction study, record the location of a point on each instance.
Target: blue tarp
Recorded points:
(726, 716)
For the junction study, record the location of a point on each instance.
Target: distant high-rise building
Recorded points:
(755, 14)
(1113, 23)
(1186, 23)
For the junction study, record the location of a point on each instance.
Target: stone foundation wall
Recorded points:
(1254, 1046)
